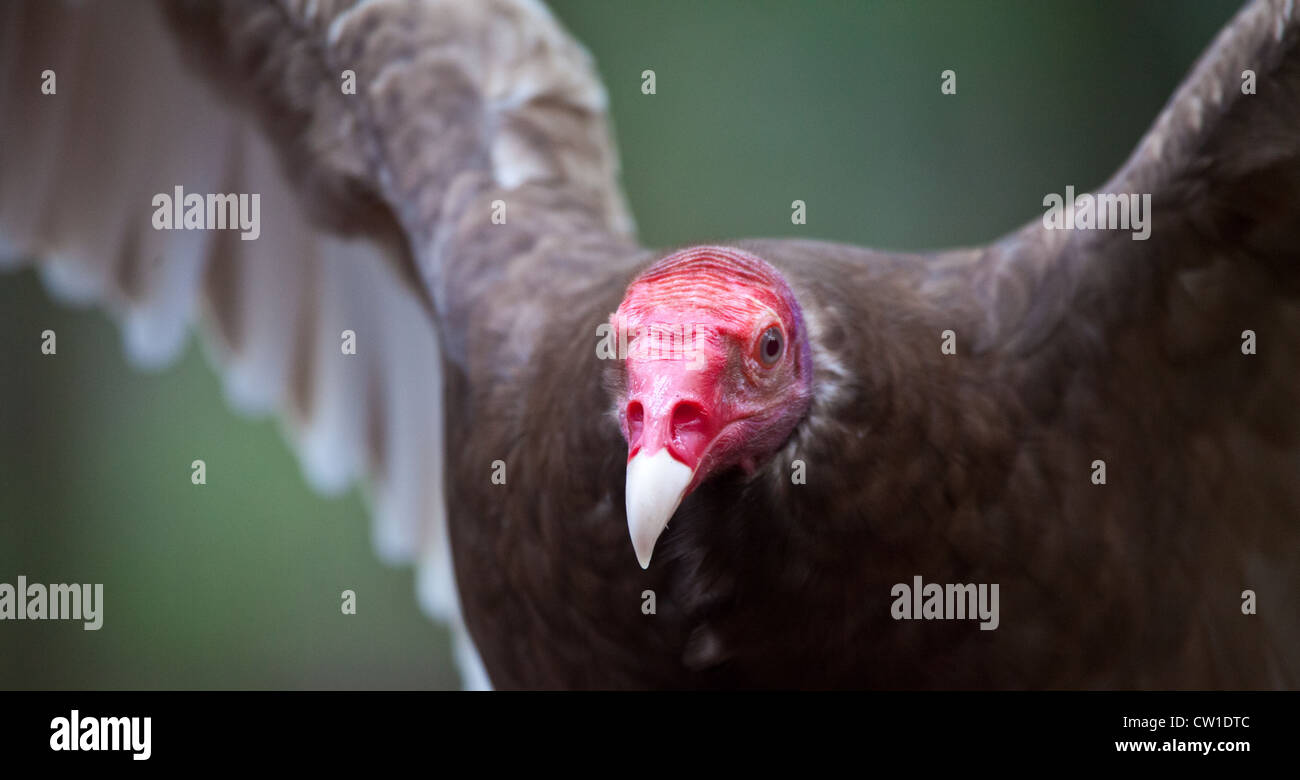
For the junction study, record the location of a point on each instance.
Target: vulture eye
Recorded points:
(770, 346)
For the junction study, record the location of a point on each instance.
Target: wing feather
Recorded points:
(78, 170)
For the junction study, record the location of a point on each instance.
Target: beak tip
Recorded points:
(644, 547)
(655, 486)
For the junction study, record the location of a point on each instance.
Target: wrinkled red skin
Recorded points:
(695, 381)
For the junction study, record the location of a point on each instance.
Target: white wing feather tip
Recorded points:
(10, 256)
(153, 342)
(67, 281)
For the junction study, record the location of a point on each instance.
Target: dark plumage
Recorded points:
(1072, 346)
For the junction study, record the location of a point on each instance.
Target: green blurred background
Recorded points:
(236, 584)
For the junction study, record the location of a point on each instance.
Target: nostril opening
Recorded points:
(687, 417)
(635, 421)
(688, 434)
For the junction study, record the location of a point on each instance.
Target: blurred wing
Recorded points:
(449, 99)
(78, 171)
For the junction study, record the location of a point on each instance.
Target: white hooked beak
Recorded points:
(655, 486)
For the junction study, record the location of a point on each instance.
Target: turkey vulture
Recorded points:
(784, 445)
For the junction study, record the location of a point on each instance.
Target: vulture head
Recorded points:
(717, 374)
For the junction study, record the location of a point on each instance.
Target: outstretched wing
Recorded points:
(362, 194)
(1221, 166)
(1177, 354)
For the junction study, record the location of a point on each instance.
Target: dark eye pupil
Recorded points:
(771, 345)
